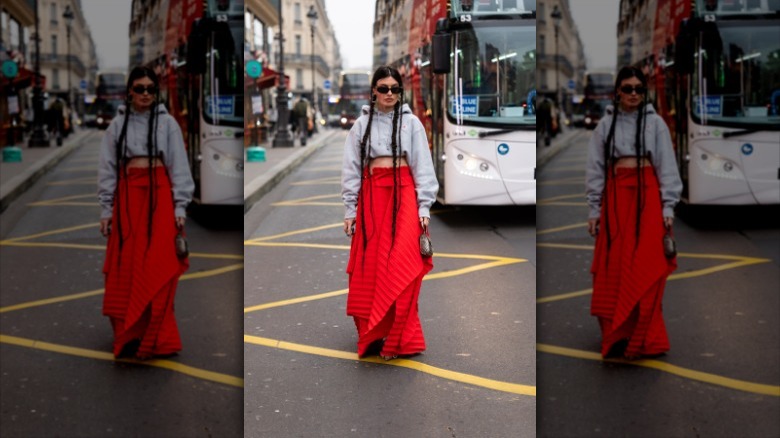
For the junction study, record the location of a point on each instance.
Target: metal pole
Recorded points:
(69, 100)
(557, 86)
(282, 137)
(313, 91)
(38, 137)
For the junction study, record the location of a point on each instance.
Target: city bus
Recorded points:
(598, 93)
(110, 93)
(714, 76)
(469, 69)
(196, 48)
(354, 91)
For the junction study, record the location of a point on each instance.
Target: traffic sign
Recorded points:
(326, 84)
(10, 69)
(571, 84)
(254, 69)
(83, 84)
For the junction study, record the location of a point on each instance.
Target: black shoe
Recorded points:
(129, 349)
(617, 349)
(374, 348)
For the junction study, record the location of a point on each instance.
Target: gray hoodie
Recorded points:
(414, 146)
(658, 144)
(170, 144)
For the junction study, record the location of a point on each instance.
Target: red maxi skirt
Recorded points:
(385, 280)
(141, 276)
(629, 276)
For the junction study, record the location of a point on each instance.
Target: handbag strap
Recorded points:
(425, 230)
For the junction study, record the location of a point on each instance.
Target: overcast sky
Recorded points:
(109, 20)
(353, 21)
(597, 23)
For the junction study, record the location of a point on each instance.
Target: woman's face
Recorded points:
(387, 92)
(142, 94)
(630, 93)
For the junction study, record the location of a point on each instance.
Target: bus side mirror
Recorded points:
(196, 50)
(441, 48)
(683, 48)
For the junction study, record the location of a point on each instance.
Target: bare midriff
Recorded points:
(632, 162)
(386, 162)
(144, 162)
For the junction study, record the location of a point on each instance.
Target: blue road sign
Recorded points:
(571, 84)
(10, 69)
(326, 84)
(254, 69)
(83, 84)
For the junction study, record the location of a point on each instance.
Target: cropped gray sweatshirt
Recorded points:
(169, 143)
(414, 147)
(658, 144)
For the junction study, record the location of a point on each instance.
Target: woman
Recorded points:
(144, 186)
(632, 186)
(388, 186)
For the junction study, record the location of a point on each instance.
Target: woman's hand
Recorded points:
(424, 221)
(105, 227)
(668, 221)
(349, 223)
(593, 227)
(180, 222)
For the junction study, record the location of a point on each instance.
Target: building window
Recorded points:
(55, 79)
(540, 49)
(16, 41)
(54, 45)
(247, 21)
(53, 9)
(543, 77)
(540, 15)
(298, 45)
(299, 79)
(298, 14)
(258, 34)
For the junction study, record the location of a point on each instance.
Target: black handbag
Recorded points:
(670, 246)
(182, 248)
(426, 246)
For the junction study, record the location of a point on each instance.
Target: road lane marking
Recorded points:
(294, 233)
(318, 181)
(309, 201)
(563, 181)
(196, 255)
(95, 225)
(714, 379)
(55, 201)
(563, 228)
(565, 169)
(470, 379)
(79, 169)
(74, 181)
(78, 296)
(323, 169)
(199, 373)
(567, 204)
(557, 198)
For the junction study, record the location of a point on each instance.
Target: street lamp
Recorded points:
(556, 16)
(68, 16)
(282, 137)
(38, 137)
(312, 16)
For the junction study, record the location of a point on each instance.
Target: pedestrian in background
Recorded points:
(388, 186)
(301, 112)
(144, 186)
(632, 187)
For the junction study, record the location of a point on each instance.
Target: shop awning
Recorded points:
(270, 78)
(25, 78)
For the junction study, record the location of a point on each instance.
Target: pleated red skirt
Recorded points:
(629, 275)
(141, 276)
(385, 277)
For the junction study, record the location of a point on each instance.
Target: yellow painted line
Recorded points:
(52, 245)
(78, 296)
(311, 198)
(65, 198)
(298, 245)
(80, 169)
(95, 225)
(706, 271)
(565, 169)
(559, 198)
(198, 373)
(468, 379)
(294, 233)
(498, 261)
(65, 204)
(564, 246)
(300, 204)
(322, 169)
(318, 181)
(566, 204)
(74, 181)
(713, 379)
(85, 160)
(560, 182)
(563, 228)
(565, 296)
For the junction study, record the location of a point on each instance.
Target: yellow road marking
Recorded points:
(95, 225)
(85, 160)
(563, 228)
(80, 169)
(557, 198)
(52, 245)
(564, 169)
(565, 296)
(78, 296)
(304, 201)
(65, 204)
(293, 233)
(318, 181)
(199, 373)
(563, 181)
(290, 301)
(298, 245)
(74, 181)
(713, 379)
(469, 379)
(322, 169)
(55, 201)
(564, 245)
(567, 204)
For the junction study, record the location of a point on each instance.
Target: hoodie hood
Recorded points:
(366, 108)
(610, 109)
(122, 109)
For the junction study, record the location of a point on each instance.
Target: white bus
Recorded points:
(468, 69)
(714, 76)
(196, 48)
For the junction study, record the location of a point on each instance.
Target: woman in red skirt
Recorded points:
(388, 187)
(144, 186)
(632, 186)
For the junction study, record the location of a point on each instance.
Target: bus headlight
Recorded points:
(343, 120)
(719, 167)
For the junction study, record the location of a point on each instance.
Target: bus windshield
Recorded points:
(493, 75)
(476, 7)
(739, 64)
(223, 93)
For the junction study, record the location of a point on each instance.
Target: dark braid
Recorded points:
(365, 157)
(639, 146)
(151, 154)
(609, 147)
(120, 149)
(395, 144)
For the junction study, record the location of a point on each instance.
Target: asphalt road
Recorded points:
(58, 374)
(303, 378)
(722, 375)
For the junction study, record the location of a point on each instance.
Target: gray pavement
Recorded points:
(261, 177)
(566, 138)
(16, 178)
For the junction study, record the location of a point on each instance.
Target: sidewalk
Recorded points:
(566, 138)
(261, 177)
(16, 178)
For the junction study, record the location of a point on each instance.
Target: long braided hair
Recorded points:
(152, 151)
(395, 145)
(628, 72)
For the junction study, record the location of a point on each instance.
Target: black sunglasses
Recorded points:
(383, 89)
(627, 89)
(140, 89)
